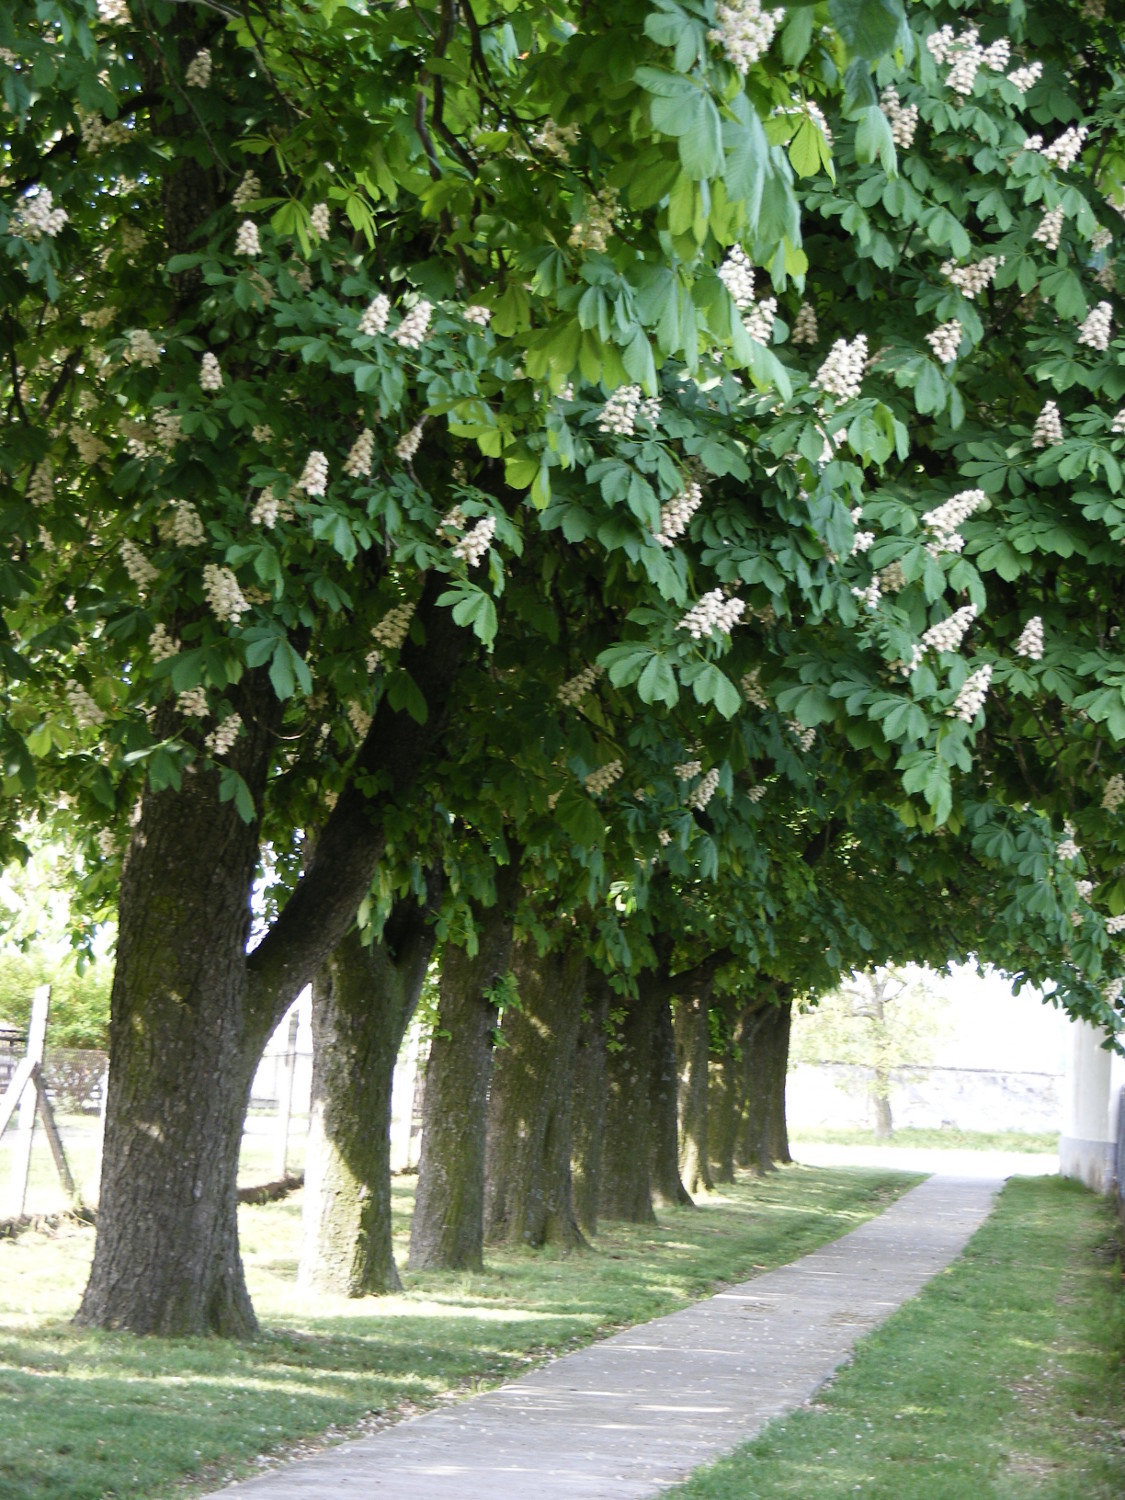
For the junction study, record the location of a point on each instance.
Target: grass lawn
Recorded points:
(960, 1140)
(96, 1416)
(1003, 1379)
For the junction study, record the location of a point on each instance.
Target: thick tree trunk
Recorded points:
(693, 1048)
(184, 1048)
(777, 1128)
(527, 1188)
(664, 1152)
(722, 1105)
(884, 1126)
(447, 1231)
(363, 1000)
(625, 1191)
(588, 1122)
(763, 1137)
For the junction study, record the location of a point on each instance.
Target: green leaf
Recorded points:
(869, 28)
(233, 788)
(657, 683)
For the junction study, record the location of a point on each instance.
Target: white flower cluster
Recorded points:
(246, 192)
(320, 220)
(35, 216)
(314, 476)
(592, 232)
(1114, 925)
(705, 790)
(737, 275)
(892, 578)
(411, 332)
(974, 690)
(141, 348)
(997, 55)
(98, 133)
(556, 139)
(192, 703)
(113, 12)
(948, 634)
(675, 515)
(945, 341)
(862, 541)
(90, 448)
(619, 414)
(1113, 793)
(1048, 428)
(1030, 643)
(220, 740)
(359, 719)
(1064, 152)
(266, 510)
(964, 52)
(1111, 990)
(664, 837)
(841, 373)
(714, 612)
(903, 118)
(744, 31)
(804, 735)
(262, 432)
(649, 410)
(224, 597)
(759, 322)
(1025, 77)
(453, 520)
(246, 241)
(1096, 329)
(805, 330)
(756, 793)
(572, 692)
(375, 316)
(186, 527)
(870, 596)
(408, 445)
(602, 779)
(137, 565)
(1050, 228)
(107, 843)
(944, 520)
(210, 374)
(1101, 239)
(1075, 918)
(1118, 424)
(87, 714)
(1067, 849)
(41, 485)
(197, 74)
(1106, 278)
(474, 545)
(392, 630)
(478, 314)
(1085, 889)
(358, 461)
(688, 769)
(161, 645)
(971, 280)
(752, 689)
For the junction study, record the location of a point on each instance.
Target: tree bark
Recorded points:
(191, 1010)
(667, 1185)
(447, 1231)
(625, 1191)
(693, 1048)
(588, 1122)
(362, 1003)
(763, 1137)
(527, 1186)
(722, 1106)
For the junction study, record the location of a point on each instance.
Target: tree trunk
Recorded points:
(777, 1128)
(527, 1189)
(763, 1138)
(664, 1155)
(447, 1229)
(184, 1048)
(625, 1191)
(693, 1048)
(363, 1000)
(881, 1098)
(722, 1106)
(588, 1115)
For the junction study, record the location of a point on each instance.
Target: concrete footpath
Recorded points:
(628, 1417)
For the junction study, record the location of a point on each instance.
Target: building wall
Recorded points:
(837, 1095)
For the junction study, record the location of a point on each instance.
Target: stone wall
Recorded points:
(836, 1095)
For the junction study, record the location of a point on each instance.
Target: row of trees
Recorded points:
(627, 496)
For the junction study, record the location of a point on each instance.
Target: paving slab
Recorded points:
(636, 1413)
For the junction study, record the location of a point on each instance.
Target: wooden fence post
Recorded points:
(28, 1099)
(285, 1100)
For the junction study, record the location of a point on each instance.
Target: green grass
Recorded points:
(1003, 1379)
(961, 1140)
(90, 1416)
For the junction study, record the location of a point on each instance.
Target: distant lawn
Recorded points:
(960, 1140)
(90, 1416)
(1002, 1379)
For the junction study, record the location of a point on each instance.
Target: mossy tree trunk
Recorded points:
(527, 1183)
(763, 1138)
(362, 1002)
(588, 1115)
(625, 1191)
(693, 1048)
(664, 1153)
(722, 1104)
(447, 1230)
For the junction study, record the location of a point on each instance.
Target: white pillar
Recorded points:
(1091, 1091)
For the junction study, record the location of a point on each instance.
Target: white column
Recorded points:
(1086, 1145)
